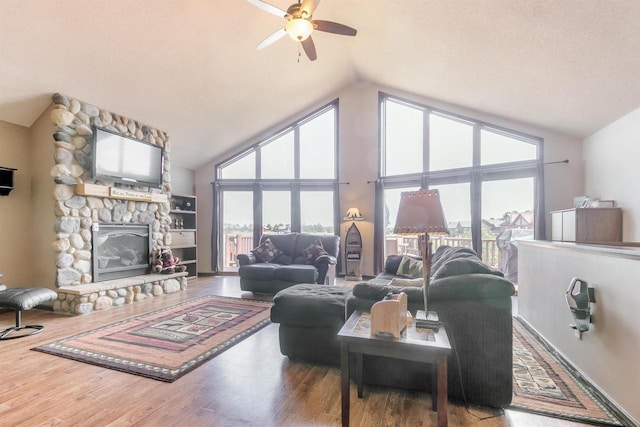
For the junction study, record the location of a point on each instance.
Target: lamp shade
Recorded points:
(353, 214)
(420, 212)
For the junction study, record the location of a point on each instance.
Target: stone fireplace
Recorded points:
(92, 274)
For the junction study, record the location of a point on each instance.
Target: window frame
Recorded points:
(294, 185)
(475, 174)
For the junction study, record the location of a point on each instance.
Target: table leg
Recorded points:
(434, 386)
(442, 392)
(359, 375)
(344, 366)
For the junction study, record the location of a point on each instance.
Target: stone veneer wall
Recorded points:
(76, 213)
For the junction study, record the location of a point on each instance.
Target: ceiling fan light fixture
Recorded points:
(299, 29)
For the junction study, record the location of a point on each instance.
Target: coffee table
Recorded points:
(415, 344)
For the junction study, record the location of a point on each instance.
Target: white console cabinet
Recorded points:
(587, 225)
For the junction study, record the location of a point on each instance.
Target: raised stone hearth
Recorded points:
(83, 299)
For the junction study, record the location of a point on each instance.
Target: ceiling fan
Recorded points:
(299, 25)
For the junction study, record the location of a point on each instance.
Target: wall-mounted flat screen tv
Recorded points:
(127, 160)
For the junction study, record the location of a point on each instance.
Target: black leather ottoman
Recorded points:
(310, 317)
(19, 300)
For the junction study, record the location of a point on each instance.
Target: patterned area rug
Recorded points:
(541, 384)
(168, 343)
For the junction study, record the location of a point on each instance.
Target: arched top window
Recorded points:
(489, 177)
(304, 150)
(285, 182)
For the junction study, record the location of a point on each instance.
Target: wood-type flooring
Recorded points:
(250, 384)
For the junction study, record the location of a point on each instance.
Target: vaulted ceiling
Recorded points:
(191, 68)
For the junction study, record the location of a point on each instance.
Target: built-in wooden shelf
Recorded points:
(183, 232)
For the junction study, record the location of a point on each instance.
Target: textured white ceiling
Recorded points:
(191, 68)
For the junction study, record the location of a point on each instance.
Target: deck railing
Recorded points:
(409, 245)
(235, 244)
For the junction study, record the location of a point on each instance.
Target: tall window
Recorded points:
(286, 182)
(488, 177)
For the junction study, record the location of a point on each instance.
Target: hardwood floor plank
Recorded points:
(249, 384)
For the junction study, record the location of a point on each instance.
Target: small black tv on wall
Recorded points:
(126, 160)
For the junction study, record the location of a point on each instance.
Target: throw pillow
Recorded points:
(313, 251)
(397, 281)
(267, 251)
(410, 267)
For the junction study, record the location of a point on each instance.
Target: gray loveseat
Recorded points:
(474, 302)
(295, 260)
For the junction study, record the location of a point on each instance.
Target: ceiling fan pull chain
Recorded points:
(299, 53)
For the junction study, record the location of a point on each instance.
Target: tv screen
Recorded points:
(126, 160)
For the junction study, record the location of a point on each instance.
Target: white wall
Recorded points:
(42, 202)
(15, 208)
(607, 354)
(358, 163)
(612, 171)
(182, 181)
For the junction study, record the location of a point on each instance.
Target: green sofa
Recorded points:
(474, 302)
(291, 266)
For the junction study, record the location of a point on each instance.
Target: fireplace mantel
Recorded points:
(96, 190)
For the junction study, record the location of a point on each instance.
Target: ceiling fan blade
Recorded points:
(333, 27)
(308, 7)
(268, 8)
(272, 39)
(309, 48)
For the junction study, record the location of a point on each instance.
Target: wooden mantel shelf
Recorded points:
(119, 193)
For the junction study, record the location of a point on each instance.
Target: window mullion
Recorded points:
(426, 134)
(476, 146)
(296, 221)
(296, 152)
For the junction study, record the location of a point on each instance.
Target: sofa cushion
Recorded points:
(410, 267)
(460, 266)
(330, 244)
(313, 251)
(267, 251)
(297, 273)
(285, 242)
(446, 253)
(260, 271)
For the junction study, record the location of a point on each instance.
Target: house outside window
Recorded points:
(286, 182)
(489, 179)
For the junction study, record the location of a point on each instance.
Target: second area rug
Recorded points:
(166, 344)
(542, 385)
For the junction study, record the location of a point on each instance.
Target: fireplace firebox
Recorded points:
(121, 250)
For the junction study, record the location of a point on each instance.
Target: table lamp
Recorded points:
(353, 214)
(420, 212)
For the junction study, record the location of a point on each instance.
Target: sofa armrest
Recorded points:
(326, 266)
(246, 259)
(325, 259)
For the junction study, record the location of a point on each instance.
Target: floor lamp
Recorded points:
(420, 212)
